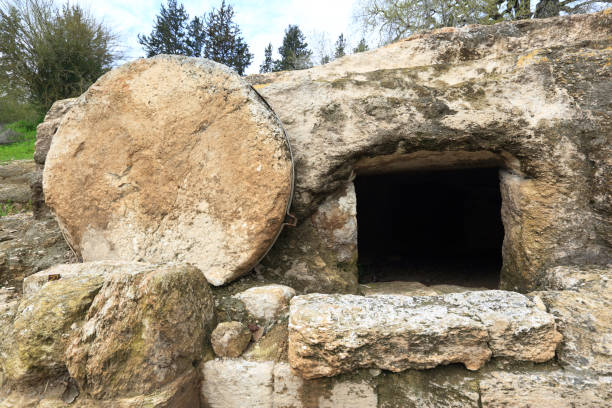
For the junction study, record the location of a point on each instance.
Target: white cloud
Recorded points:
(261, 22)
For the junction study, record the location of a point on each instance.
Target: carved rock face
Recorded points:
(171, 159)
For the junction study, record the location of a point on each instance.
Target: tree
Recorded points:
(294, 52)
(170, 32)
(321, 47)
(361, 47)
(196, 35)
(223, 42)
(268, 64)
(340, 46)
(553, 8)
(394, 19)
(52, 53)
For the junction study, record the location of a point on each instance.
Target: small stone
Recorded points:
(230, 339)
(267, 302)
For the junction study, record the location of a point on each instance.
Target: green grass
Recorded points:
(14, 208)
(21, 150)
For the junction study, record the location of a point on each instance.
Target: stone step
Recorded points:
(333, 334)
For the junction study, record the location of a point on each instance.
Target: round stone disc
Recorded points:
(171, 159)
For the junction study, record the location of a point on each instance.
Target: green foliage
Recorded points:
(553, 8)
(196, 34)
(223, 42)
(268, 64)
(23, 149)
(50, 53)
(340, 47)
(294, 52)
(7, 209)
(394, 19)
(361, 47)
(214, 36)
(13, 107)
(13, 208)
(173, 33)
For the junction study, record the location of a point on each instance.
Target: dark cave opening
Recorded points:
(433, 227)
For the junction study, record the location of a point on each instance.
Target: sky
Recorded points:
(261, 22)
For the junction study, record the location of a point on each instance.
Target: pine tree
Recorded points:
(195, 37)
(169, 35)
(268, 64)
(361, 47)
(294, 51)
(325, 60)
(340, 46)
(223, 42)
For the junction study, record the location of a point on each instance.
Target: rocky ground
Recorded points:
(28, 245)
(15, 182)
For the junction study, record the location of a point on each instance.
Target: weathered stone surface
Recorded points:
(545, 389)
(51, 392)
(446, 289)
(320, 254)
(272, 346)
(44, 135)
(28, 245)
(182, 392)
(529, 96)
(582, 306)
(331, 334)
(585, 320)
(47, 129)
(35, 347)
(267, 302)
(222, 168)
(230, 339)
(442, 387)
(145, 328)
(14, 181)
(396, 288)
(411, 289)
(237, 383)
(9, 302)
(291, 391)
(95, 270)
(583, 278)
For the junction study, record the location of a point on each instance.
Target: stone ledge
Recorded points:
(333, 334)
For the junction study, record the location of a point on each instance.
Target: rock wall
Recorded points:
(533, 95)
